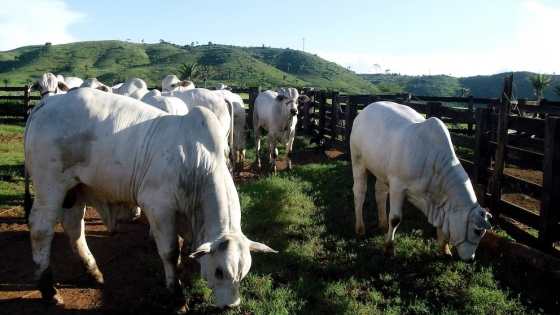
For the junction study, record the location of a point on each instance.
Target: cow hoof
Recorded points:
(96, 278)
(54, 300)
(360, 231)
(444, 252)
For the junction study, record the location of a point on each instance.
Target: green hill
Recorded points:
(488, 86)
(112, 61)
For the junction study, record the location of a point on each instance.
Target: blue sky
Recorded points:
(414, 37)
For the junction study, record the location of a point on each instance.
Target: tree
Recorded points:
(387, 71)
(207, 72)
(189, 71)
(540, 82)
(463, 91)
(377, 67)
(557, 89)
(7, 81)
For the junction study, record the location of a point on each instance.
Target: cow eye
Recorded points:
(219, 274)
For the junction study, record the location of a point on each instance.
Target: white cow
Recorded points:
(168, 104)
(239, 122)
(95, 84)
(413, 158)
(47, 84)
(129, 86)
(90, 147)
(221, 86)
(172, 83)
(71, 82)
(215, 102)
(276, 112)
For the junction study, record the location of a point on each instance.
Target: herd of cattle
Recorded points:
(170, 153)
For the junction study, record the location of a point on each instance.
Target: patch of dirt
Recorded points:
(133, 272)
(10, 138)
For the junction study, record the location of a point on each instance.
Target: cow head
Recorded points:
(47, 85)
(465, 230)
(224, 261)
(95, 84)
(172, 83)
(290, 98)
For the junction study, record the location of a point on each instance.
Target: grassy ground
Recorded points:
(321, 268)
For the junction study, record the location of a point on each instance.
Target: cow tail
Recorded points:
(230, 136)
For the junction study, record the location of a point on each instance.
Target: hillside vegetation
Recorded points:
(113, 61)
(483, 86)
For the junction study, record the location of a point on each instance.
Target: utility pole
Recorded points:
(303, 39)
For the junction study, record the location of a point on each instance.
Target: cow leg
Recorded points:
(360, 186)
(381, 194)
(165, 234)
(289, 152)
(258, 133)
(72, 221)
(42, 220)
(443, 247)
(396, 199)
(273, 152)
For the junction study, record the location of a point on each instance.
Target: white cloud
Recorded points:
(35, 22)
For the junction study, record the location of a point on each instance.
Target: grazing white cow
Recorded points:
(215, 102)
(276, 112)
(47, 84)
(239, 122)
(413, 158)
(90, 147)
(168, 104)
(172, 83)
(95, 84)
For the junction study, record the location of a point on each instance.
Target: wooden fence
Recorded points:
(529, 142)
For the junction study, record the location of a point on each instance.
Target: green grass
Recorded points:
(11, 163)
(321, 268)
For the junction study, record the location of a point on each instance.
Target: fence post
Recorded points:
(335, 116)
(481, 156)
(550, 194)
(432, 109)
(253, 93)
(322, 113)
(26, 106)
(308, 109)
(350, 110)
(470, 108)
(499, 162)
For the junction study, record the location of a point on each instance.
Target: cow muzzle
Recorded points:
(293, 112)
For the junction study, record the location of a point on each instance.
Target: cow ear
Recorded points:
(103, 88)
(34, 87)
(62, 86)
(260, 247)
(480, 222)
(303, 98)
(201, 250)
(185, 83)
(229, 89)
